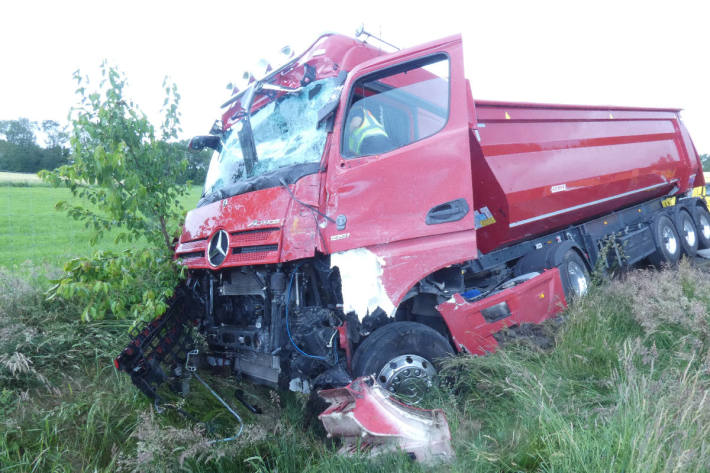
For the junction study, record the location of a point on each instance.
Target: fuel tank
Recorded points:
(538, 168)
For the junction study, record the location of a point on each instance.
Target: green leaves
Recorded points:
(705, 160)
(133, 284)
(119, 165)
(127, 178)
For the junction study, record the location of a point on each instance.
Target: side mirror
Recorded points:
(198, 143)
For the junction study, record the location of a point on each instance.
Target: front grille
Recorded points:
(193, 254)
(194, 240)
(254, 249)
(253, 253)
(253, 235)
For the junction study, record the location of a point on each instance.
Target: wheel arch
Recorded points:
(549, 257)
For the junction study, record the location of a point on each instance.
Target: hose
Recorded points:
(288, 326)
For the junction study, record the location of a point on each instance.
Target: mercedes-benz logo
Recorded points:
(219, 246)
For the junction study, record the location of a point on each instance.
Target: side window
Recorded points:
(397, 106)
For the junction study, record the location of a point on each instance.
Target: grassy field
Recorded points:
(32, 230)
(18, 178)
(624, 388)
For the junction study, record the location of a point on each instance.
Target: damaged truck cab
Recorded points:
(362, 215)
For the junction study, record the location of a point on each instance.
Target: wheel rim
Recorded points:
(578, 278)
(407, 376)
(705, 227)
(689, 232)
(669, 240)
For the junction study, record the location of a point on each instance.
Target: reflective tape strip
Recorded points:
(588, 204)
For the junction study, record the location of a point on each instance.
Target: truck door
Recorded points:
(399, 162)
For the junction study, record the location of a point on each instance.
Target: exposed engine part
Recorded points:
(370, 420)
(273, 325)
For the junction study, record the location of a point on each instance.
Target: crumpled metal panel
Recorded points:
(370, 420)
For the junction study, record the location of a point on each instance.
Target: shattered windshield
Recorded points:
(285, 133)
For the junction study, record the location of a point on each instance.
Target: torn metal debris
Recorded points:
(370, 419)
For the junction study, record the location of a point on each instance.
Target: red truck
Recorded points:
(364, 214)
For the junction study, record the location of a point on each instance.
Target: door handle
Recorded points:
(451, 211)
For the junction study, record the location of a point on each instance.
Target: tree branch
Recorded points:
(164, 231)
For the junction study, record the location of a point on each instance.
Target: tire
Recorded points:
(574, 275)
(702, 224)
(668, 246)
(404, 357)
(685, 226)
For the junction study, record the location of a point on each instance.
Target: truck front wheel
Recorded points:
(404, 357)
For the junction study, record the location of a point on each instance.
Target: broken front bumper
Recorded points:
(369, 419)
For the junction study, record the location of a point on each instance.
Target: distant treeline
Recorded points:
(21, 152)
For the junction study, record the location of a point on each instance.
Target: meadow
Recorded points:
(623, 387)
(32, 230)
(19, 178)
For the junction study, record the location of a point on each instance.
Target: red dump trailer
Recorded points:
(364, 214)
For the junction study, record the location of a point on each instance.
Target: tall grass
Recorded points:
(625, 388)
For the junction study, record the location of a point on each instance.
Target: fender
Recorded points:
(400, 265)
(548, 257)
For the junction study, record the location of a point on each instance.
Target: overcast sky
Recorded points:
(641, 53)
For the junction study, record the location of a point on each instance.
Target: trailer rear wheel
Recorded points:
(688, 234)
(404, 357)
(702, 220)
(574, 275)
(667, 242)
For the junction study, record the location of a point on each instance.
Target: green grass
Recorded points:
(32, 230)
(626, 388)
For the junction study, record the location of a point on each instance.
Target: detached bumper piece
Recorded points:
(160, 345)
(474, 324)
(370, 420)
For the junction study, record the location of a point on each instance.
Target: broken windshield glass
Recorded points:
(285, 133)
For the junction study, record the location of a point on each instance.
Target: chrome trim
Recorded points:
(588, 204)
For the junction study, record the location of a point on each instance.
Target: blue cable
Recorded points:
(288, 327)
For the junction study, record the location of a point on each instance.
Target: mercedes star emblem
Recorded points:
(219, 246)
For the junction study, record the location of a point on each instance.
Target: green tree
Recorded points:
(20, 153)
(127, 178)
(19, 132)
(57, 135)
(705, 160)
(197, 163)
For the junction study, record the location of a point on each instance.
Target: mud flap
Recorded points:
(370, 420)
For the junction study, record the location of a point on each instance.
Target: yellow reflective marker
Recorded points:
(669, 202)
(507, 117)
